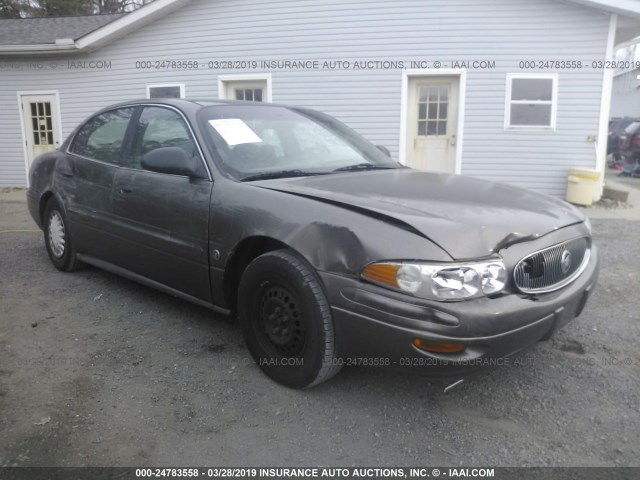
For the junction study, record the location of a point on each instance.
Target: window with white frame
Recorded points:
(165, 90)
(246, 87)
(249, 93)
(531, 101)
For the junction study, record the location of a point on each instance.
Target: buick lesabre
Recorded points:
(326, 250)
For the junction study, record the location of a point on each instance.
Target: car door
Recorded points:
(84, 180)
(162, 219)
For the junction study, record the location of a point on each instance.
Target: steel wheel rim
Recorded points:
(280, 322)
(57, 240)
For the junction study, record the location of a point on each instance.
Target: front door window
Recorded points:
(42, 123)
(433, 103)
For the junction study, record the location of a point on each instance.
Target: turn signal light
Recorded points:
(383, 273)
(438, 347)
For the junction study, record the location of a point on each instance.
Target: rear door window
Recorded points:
(101, 138)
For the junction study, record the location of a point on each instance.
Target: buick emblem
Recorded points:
(565, 261)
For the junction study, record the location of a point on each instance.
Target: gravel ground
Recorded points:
(96, 370)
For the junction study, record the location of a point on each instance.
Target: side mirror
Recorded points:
(172, 160)
(384, 150)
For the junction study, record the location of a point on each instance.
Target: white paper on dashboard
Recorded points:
(234, 131)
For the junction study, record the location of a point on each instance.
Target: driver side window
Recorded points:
(157, 128)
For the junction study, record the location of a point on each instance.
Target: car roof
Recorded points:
(191, 107)
(189, 104)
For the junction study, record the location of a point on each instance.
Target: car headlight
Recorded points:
(587, 223)
(440, 281)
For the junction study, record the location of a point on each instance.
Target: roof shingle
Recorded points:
(38, 31)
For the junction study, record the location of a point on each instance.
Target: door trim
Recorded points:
(461, 73)
(24, 93)
(123, 272)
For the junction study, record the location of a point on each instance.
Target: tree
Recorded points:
(11, 8)
(58, 8)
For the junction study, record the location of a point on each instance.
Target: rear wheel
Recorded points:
(286, 320)
(57, 240)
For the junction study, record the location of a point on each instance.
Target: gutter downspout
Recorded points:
(605, 107)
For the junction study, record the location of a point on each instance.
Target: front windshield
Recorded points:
(264, 141)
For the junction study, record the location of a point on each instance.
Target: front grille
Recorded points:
(552, 268)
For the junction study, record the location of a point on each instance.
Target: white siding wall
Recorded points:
(625, 100)
(503, 30)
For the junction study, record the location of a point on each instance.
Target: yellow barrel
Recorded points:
(582, 185)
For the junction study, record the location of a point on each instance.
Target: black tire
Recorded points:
(286, 320)
(55, 219)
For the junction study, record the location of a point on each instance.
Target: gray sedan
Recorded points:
(327, 251)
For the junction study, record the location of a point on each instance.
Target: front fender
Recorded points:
(331, 238)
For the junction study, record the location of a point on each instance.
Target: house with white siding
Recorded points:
(508, 90)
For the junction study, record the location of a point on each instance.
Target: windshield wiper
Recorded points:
(279, 174)
(362, 166)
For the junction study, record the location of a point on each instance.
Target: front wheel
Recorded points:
(57, 240)
(286, 320)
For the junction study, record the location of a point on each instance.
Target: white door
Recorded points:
(432, 123)
(41, 128)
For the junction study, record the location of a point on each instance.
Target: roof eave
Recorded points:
(626, 8)
(42, 49)
(101, 36)
(128, 23)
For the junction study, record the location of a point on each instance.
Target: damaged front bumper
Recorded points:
(378, 327)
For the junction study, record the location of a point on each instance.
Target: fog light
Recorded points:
(438, 347)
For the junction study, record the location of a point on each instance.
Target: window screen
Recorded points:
(531, 102)
(165, 91)
(249, 94)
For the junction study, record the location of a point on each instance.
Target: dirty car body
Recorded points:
(327, 251)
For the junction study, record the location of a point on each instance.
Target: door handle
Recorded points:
(66, 173)
(124, 190)
(453, 140)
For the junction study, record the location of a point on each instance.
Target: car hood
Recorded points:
(466, 217)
